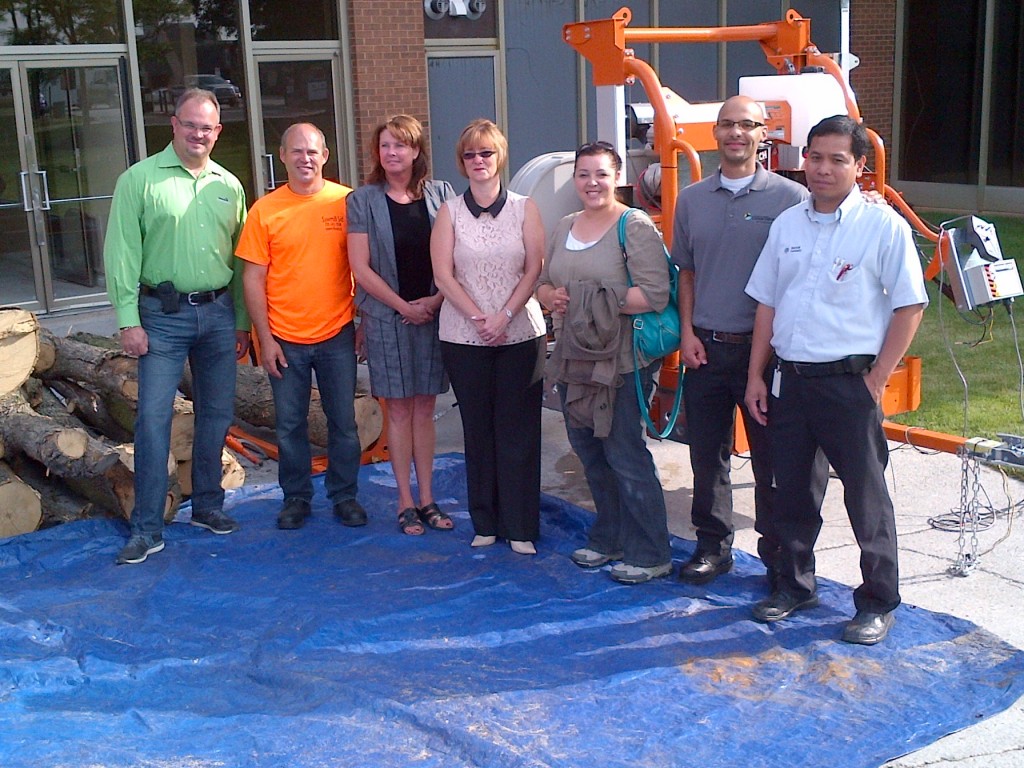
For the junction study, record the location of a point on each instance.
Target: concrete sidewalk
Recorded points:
(922, 485)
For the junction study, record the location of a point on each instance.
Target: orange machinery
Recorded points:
(605, 43)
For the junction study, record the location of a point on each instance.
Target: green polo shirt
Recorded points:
(166, 224)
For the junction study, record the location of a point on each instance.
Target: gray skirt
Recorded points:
(404, 360)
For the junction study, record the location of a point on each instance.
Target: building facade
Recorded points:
(86, 92)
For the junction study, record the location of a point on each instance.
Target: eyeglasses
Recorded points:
(602, 146)
(484, 153)
(202, 130)
(743, 125)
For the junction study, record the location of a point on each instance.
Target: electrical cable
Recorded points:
(1020, 363)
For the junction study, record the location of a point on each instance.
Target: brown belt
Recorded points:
(724, 337)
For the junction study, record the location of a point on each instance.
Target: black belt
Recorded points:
(851, 364)
(723, 337)
(193, 297)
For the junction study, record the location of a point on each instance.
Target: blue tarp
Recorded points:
(333, 646)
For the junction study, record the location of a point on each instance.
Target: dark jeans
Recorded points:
(205, 336)
(334, 361)
(711, 394)
(837, 414)
(624, 482)
(499, 391)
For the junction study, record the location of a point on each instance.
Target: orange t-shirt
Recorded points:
(302, 240)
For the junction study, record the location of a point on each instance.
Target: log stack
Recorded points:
(67, 414)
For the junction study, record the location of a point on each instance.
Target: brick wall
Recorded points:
(873, 39)
(389, 68)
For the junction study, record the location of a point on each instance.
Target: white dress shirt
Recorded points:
(834, 280)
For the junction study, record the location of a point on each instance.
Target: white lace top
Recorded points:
(489, 258)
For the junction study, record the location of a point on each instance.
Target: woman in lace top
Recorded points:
(487, 247)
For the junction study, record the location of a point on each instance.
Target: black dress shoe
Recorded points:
(703, 567)
(350, 512)
(868, 628)
(781, 605)
(293, 514)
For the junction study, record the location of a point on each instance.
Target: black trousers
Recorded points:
(711, 394)
(836, 414)
(499, 390)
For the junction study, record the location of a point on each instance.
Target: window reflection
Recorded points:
(294, 20)
(185, 43)
(57, 22)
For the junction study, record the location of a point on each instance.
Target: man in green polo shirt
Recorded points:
(176, 287)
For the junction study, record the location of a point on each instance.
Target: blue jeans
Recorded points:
(624, 482)
(334, 361)
(205, 335)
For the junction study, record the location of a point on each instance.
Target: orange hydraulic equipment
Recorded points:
(606, 44)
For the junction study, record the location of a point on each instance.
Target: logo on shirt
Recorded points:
(334, 223)
(791, 249)
(223, 199)
(759, 219)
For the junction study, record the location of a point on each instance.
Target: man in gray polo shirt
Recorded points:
(721, 224)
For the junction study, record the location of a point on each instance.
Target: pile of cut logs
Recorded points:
(67, 412)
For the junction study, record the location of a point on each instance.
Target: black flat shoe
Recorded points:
(868, 628)
(703, 568)
(781, 605)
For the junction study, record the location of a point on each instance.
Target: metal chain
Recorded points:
(970, 487)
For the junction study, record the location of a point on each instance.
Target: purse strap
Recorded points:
(622, 243)
(640, 398)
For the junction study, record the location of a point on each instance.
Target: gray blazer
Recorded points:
(367, 212)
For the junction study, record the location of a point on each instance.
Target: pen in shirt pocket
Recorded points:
(844, 271)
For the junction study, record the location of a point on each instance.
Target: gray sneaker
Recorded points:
(636, 574)
(591, 558)
(139, 547)
(215, 521)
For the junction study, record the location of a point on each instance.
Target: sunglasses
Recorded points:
(603, 146)
(484, 153)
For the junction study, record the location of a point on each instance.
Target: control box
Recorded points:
(974, 264)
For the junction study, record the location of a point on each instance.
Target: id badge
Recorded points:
(776, 382)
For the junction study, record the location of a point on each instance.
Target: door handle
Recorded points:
(46, 191)
(271, 179)
(26, 195)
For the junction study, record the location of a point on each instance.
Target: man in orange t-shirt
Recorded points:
(299, 293)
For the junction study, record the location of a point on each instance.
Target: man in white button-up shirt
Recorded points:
(840, 295)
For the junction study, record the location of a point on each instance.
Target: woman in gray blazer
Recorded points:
(389, 223)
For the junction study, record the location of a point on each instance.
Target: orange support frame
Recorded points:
(788, 48)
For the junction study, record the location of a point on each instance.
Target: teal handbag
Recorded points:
(655, 334)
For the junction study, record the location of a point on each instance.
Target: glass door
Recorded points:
(68, 135)
(22, 282)
(296, 91)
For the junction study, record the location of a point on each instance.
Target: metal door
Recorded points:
(296, 90)
(63, 143)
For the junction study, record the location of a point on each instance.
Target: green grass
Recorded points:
(984, 349)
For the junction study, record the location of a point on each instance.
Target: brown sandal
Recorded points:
(409, 522)
(435, 518)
